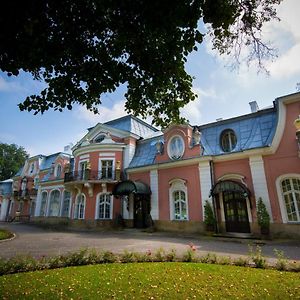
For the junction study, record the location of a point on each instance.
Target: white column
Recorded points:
(154, 195)
(205, 183)
(259, 181)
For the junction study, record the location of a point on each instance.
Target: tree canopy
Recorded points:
(83, 49)
(12, 158)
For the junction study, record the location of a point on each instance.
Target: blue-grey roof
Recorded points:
(19, 172)
(49, 160)
(145, 152)
(254, 130)
(6, 187)
(133, 125)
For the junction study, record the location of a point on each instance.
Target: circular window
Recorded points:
(176, 147)
(228, 140)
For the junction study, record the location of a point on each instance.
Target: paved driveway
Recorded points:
(37, 242)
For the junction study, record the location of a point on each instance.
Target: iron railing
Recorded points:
(86, 175)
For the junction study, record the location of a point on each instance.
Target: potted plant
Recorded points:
(263, 217)
(209, 217)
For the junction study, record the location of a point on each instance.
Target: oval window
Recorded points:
(228, 140)
(176, 147)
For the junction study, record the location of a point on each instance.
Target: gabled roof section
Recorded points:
(145, 152)
(133, 125)
(49, 160)
(255, 130)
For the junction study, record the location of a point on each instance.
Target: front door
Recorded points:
(141, 211)
(236, 215)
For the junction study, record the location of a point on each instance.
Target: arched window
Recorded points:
(180, 207)
(66, 204)
(54, 204)
(176, 147)
(290, 189)
(178, 200)
(104, 207)
(79, 207)
(228, 140)
(43, 204)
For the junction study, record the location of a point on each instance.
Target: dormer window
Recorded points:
(176, 147)
(58, 170)
(228, 140)
(99, 138)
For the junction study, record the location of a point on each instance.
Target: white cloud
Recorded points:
(7, 86)
(105, 113)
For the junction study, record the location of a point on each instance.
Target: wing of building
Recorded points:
(126, 172)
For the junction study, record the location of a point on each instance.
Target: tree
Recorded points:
(12, 158)
(263, 217)
(83, 49)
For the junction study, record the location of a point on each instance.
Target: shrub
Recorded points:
(209, 217)
(127, 257)
(263, 217)
(282, 262)
(171, 255)
(209, 258)
(223, 260)
(257, 257)
(241, 262)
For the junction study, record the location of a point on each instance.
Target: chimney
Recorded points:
(254, 107)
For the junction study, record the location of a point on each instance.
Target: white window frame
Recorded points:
(56, 170)
(46, 204)
(177, 185)
(282, 206)
(49, 203)
(170, 154)
(80, 170)
(229, 137)
(97, 217)
(62, 204)
(113, 167)
(76, 211)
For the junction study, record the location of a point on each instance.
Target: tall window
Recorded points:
(104, 207)
(66, 204)
(32, 208)
(58, 170)
(54, 204)
(82, 170)
(107, 169)
(228, 140)
(180, 207)
(291, 195)
(79, 207)
(43, 204)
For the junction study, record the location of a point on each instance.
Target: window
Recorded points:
(180, 207)
(176, 147)
(228, 140)
(32, 208)
(54, 204)
(99, 138)
(291, 195)
(83, 175)
(43, 204)
(104, 209)
(79, 207)
(31, 168)
(178, 200)
(66, 204)
(58, 170)
(107, 169)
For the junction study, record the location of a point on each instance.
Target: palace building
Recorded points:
(126, 172)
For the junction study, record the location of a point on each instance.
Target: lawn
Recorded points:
(152, 281)
(5, 234)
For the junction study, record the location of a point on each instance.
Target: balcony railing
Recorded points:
(25, 193)
(104, 175)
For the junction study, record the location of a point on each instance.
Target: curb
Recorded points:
(10, 239)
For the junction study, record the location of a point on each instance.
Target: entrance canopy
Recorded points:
(229, 186)
(128, 186)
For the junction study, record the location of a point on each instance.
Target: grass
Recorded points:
(5, 234)
(152, 281)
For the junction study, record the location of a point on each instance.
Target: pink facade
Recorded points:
(125, 170)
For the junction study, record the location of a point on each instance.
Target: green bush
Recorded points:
(209, 217)
(257, 257)
(263, 217)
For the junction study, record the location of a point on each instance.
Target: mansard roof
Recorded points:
(134, 125)
(255, 130)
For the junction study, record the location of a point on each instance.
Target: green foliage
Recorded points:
(241, 262)
(282, 262)
(257, 257)
(151, 281)
(12, 158)
(263, 217)
(85, 49)
(5, 234)
(209, 217)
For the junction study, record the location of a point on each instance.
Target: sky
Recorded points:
(222, 92)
